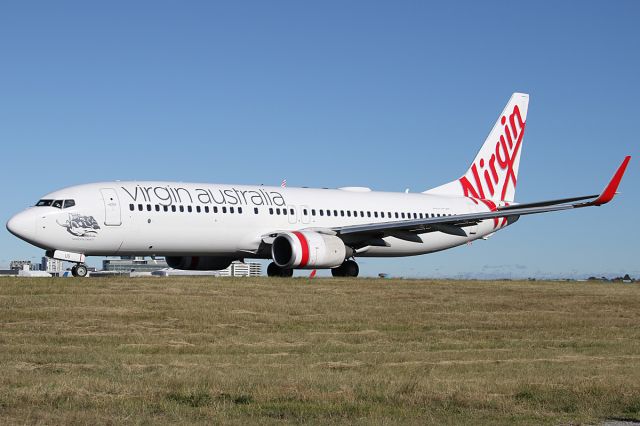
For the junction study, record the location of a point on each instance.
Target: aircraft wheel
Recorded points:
(350, 268)
(338, 272)
(74, 270)
(274, 270)
(81, 271)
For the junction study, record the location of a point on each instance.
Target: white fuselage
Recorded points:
(170, 218)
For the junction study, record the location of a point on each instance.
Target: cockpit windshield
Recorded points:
(59, 204)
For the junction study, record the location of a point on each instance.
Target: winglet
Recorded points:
(610, 191)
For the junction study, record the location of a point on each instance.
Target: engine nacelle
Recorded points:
(198, 263)
(308, 250)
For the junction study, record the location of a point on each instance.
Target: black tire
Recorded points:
(351, 268)
(74, 270)
(81, 271)
(273, 270)
(338, 272)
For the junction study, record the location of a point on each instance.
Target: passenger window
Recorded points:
(140, 207)
(361, 213)
(132, 207)
(181, 209)
(69, 203)
(255, 210)
(239, 210)
(173, 209)
(305, 212)
(284, 211)
(335, 212)
(189, 209)
(313, 212)
(321, 212)
(291, 212)
(278, 211)
(368, 214)
(348, 213)
(328, 212)
(157, 208)
(148, 207)
(206, 209)
(165, 208)
(198, 209)
(230, 209)
(57, 204)
(270, 210)
(224, 209)
(342, 213)
(215, 209)
(375, 214)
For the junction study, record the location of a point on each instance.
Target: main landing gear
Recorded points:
(79, 270)
(349, 268)
(274, 270)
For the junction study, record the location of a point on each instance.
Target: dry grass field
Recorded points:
(357, 351)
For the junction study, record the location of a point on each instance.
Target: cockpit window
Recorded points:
(59, 204)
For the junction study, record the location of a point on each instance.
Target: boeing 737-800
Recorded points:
(207, 226)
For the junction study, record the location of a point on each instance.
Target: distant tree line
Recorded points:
(625, 279)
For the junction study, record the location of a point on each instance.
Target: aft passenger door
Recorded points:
(112, 213)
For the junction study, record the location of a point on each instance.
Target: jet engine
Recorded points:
(308, 250)
(198, 263)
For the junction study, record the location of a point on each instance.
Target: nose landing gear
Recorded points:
(79, 270)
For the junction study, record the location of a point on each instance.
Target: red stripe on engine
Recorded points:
(305, 248)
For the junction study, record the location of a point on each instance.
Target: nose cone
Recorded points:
(22, 225)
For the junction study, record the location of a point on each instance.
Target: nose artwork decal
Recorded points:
(81, 226)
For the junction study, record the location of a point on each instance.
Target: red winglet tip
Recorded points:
(610, 191)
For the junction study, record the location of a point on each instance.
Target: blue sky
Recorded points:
(382, 94)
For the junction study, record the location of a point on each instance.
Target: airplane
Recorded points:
(201, 226)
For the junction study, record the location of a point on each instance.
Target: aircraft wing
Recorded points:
(455, 224)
